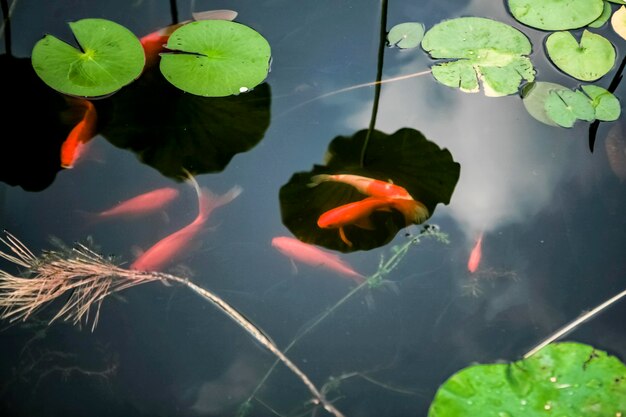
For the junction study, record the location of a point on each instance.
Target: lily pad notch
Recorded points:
(216, 58)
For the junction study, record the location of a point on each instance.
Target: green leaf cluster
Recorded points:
(213, 58)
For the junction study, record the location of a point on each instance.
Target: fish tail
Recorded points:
(318, 179)
(209, 201)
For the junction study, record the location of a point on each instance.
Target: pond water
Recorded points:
(550, 211)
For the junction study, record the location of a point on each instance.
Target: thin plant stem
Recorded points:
(571, 326)
(174, 11)
(379, 76)
(5, 30)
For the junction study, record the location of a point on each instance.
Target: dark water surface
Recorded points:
(551, 211)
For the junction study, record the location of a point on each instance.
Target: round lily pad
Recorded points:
(604, 16)
(606, 105)
(110, 57)
(486, 50)
(587, 61)
(562, 379)
(406, 35)
(556, 14)
(566, 106)
(618, 22)
(216, 58)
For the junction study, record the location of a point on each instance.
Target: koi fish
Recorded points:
(153, 43)
(311, 255)
(145, 203)
(74, 145)
(475, 255)
(171, 247)
(364, 185)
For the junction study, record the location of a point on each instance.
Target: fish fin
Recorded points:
(209, 201)
(136, 251)
(365, 223)
(215, 15)
(294, 267)
(342, 235)
(318, 179)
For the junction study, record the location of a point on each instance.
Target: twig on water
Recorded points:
(91, 278)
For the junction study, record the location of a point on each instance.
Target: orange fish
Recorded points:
(74, 145)
(475, 255)
(139, 205)
(154, 43)
(311, 255)
(171, 247)
(365, 185)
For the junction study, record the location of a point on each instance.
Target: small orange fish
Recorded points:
(365, 185)
(142, 204)
(74, 145)
(154, 43)
(171, 247)
(475, 255)
(357, 214)
(311, 255)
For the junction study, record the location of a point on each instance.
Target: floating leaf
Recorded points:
(606, 105)
(534, 96)
(405, 157)
(562, 379)
(406, 35)
(487, 50)
(556, 14)
(618, 22)
(604, 16)
(110, 58)
(587, 61)
(216, 58)
(565, 106)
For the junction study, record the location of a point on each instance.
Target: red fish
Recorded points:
(139, 205)
(311, 255)
(171, 247)
(475, 255)
(365, 185)
(74, 145)
(154, 43)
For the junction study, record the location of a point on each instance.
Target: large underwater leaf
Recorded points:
(216, 58)
(169, 129)
(562, 379)
(405, 157)
(587, 61)
(485, 50)
(556, 14)
(534, 96)
(110, 57)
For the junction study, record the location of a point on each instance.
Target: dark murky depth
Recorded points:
(551, 212)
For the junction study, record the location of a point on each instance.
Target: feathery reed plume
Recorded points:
(91, 278)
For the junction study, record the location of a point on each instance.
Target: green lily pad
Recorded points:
(556, 14)
(110, 57)
(606, 105)
(406, 35)
(566, 106)
(216, 58)
(618, 22)
(587, 61)
(562, 379)
(604, 16)
(534, 96)
(617, 1)
(486, 50)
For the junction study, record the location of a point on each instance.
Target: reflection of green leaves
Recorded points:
(110, 57)
(406, 35)
(406, 157)
(563, 379)
(587, 61)
(216, 58)
(554, 104)
(169, 129)
(487, 50)
(556, 14)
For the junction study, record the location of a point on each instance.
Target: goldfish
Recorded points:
(153, 43)
(475, 255)
(73, 146)
(365, 185)
(311, 255)
(172, 246)
(141, 204)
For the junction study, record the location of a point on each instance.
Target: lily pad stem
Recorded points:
(174, 11)
(379, 75)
